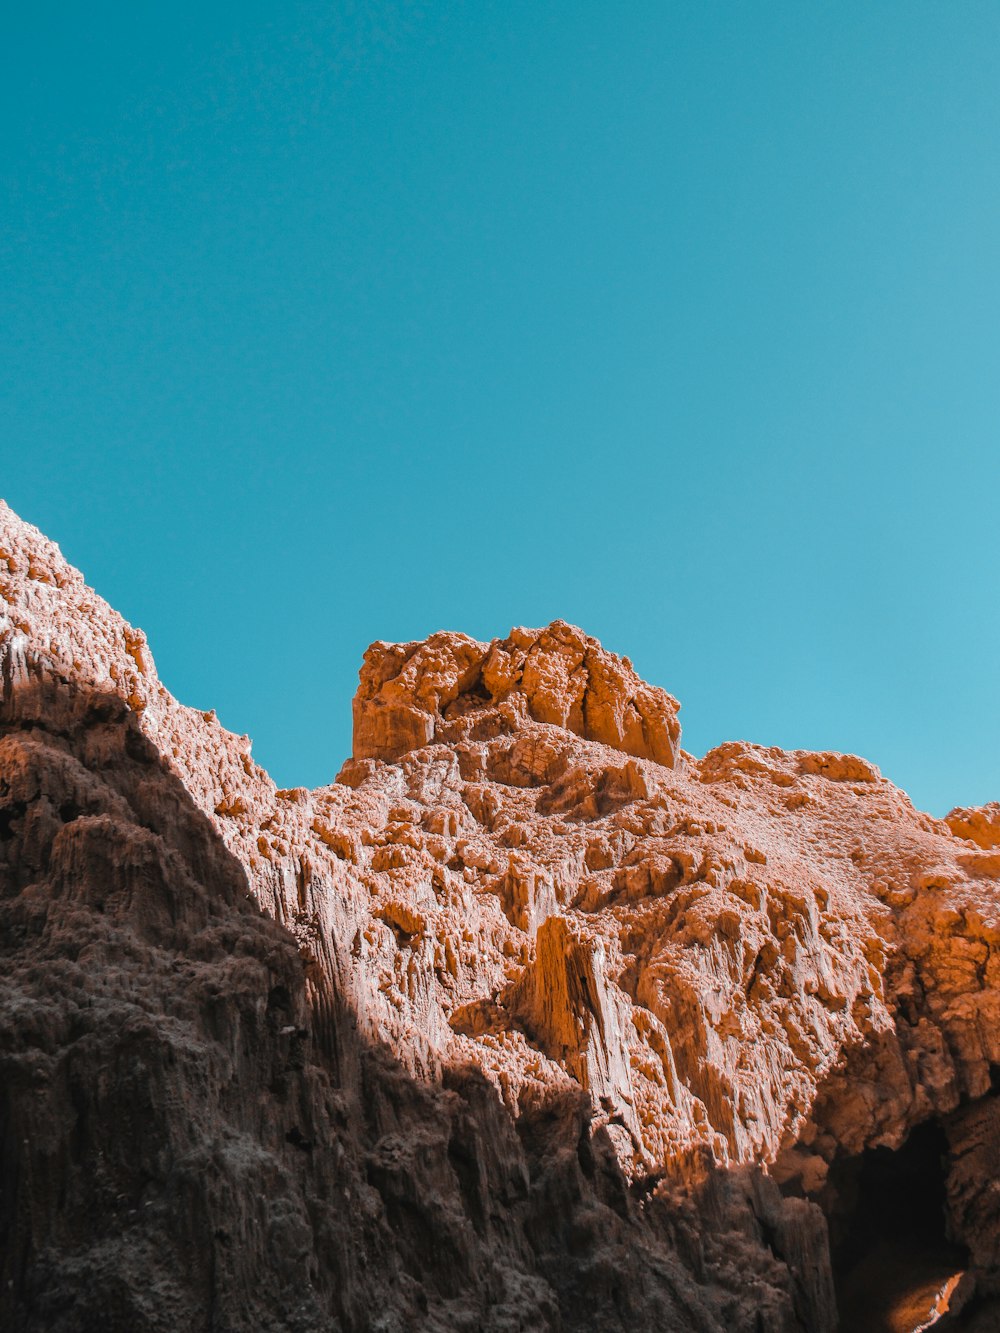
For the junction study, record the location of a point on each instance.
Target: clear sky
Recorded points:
(324, 322)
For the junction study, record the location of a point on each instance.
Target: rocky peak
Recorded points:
(413, 694)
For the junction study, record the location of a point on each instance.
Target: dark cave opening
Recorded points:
(894, 1264)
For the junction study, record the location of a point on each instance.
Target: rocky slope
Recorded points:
(531, 1020)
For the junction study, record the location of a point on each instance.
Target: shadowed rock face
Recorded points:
(527, 1021)
(188, 1142)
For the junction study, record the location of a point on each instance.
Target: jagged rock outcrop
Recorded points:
(980, 824)
(410, 692)
(527, 1021)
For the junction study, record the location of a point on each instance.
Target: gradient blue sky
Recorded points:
(323, 323)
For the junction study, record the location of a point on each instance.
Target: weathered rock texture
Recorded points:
(528, 1021)
(410, 693)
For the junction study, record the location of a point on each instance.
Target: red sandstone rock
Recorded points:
(553, 978)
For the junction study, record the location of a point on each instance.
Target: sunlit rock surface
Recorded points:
(529, 1020)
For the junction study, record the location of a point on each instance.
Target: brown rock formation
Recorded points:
(525, 1022)
(980, 825)
(410, 692)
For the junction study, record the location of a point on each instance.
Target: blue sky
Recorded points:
(328, 323)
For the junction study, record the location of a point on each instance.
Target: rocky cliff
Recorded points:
(531, 1020)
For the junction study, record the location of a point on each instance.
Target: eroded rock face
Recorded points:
(526, 1021)
(980, 824)
(409, 693)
